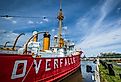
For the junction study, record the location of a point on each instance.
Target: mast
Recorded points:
(60, 18)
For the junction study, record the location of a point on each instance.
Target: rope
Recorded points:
(27, 72)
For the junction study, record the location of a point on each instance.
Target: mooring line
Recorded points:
(27, 72)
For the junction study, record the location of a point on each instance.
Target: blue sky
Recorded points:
(94, 25)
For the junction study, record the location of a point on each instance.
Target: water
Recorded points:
(81, 75)
(75, 77)
(87, 77)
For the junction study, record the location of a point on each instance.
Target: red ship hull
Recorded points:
(24, 68)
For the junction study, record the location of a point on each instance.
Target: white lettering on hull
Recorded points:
(71, 61)
(37, 66)
(65, 61)
(61, 62)
(14, 73)
(74, 60)
(55, 63)
(48, 65)
(68, 61)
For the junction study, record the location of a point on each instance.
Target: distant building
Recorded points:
(110, 55)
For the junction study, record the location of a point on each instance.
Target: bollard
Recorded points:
(88, 68)
(120, 76)
(110, 70)
(105, 65)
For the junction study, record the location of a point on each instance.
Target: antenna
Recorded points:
(60, 4)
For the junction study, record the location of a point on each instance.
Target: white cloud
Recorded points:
(102, 39)
(119, 10)
(10, 36)
(100, 35)
(106, 8)
(7, 18)
(65, 27)
(2, 31)
(53, 30)
(37, 22)
(45, 19)
(97, 51)
(23, 39)
(14, 22)
(41, 22)
(30, 22)
(10, 19)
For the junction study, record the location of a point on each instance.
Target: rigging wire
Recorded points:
(17, 16)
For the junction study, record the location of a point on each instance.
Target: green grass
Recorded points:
(105, 77)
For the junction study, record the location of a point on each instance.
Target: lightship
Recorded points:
(33, 64)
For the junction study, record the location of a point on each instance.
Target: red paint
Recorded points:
(42, 73)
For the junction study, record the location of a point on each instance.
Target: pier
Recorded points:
(99, 73)
(81, 75)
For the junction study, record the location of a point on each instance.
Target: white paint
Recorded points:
(17, 62)
(61, 62)
(65, 61)
(47, 64)
(55, 63)
(37, 66)
(93, 77)
(74, 60)
(68, 62)
(71, 60)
